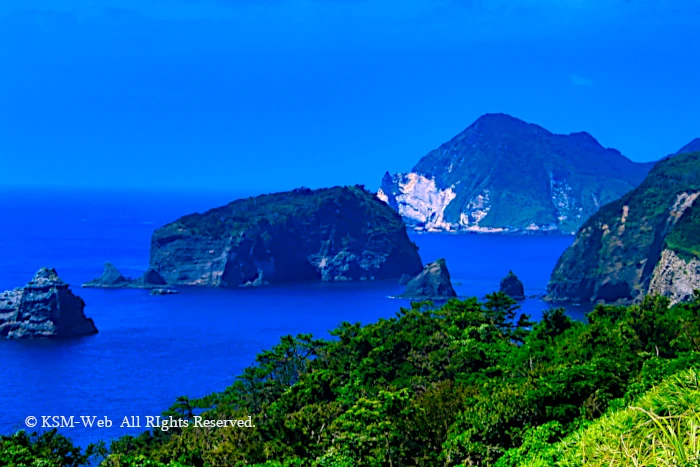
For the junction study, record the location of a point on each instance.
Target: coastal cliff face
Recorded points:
(43, 308)
(504, 175)
(335, 234)
(647, 241)
(675, 277)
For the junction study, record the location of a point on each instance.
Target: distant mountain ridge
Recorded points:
(648, 241)
(502, 174)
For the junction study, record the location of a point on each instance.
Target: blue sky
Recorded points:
(262, 95)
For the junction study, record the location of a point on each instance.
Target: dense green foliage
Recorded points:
(660, 428)
(628, 234)
(522, 166)
(467, 383)
(301, 205)
(685, 236)
(48, 449)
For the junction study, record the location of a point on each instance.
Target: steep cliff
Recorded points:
(43, 308)
(502, 174)
(334, 234)
(647, 241)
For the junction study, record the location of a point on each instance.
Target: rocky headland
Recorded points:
(334, 234)
(45, 307)
(432, 283)
(646, 242)
(502, 174)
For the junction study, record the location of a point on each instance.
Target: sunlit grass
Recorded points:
(661, 429)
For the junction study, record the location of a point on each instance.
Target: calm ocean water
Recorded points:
(152, 349)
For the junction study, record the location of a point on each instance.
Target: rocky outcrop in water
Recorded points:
(164, 291)
(334, 234)
(504, 175)
(646, 242)
(432, 283)
(111, 278)
(45, 307)
(512, 286)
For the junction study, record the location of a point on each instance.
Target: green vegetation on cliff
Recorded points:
(616, 251)
(506, 173)
(340, 233)
(468, 383)
(302, 205)
(684, 238)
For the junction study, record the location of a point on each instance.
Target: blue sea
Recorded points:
(152, 349)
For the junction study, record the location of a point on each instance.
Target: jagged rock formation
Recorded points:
(675, 277)
(512, 286)
(334, 234)
(111, 278)
(647, 241)
(504, 175)
(432, 283)
(45, 307)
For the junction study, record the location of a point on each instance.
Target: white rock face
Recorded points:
(476, 210)
(422, 205)
(675, 278)
(420, 202)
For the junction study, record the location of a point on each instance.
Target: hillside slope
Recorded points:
(647, 241)
(333, 234)
(503, 174)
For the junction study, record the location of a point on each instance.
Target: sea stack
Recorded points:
(111, 278)
(45, 307)
(432, 283)
(332, 234)
(512, 286)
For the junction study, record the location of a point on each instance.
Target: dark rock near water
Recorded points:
(334, 234)
(512, 286)
(111, 278)
(45, 307)
(433, 283)
(646, 242)
(163, 291)
(150, 278)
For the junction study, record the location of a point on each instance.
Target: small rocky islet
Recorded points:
(432, 283)
(512, 286)
(111, 278)
(44, 308)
